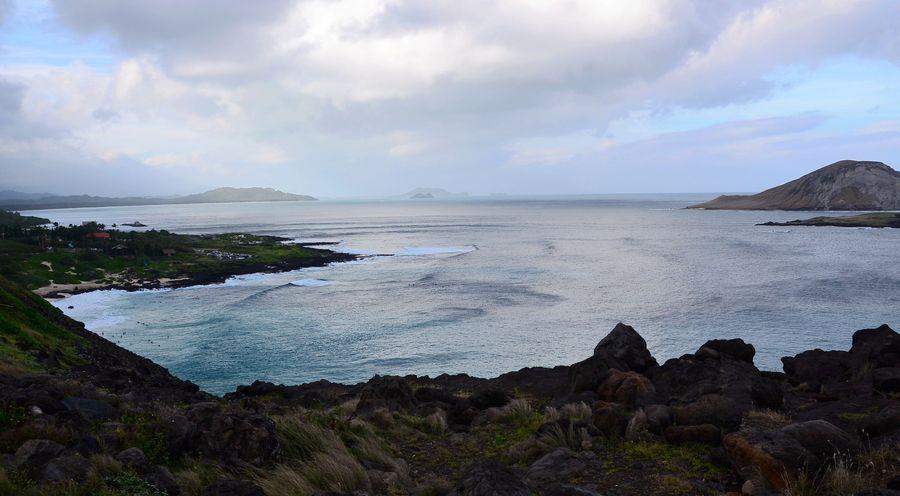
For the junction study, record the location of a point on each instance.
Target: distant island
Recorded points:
(12, 200)
(878, 219)
(430, 193)
(844, 185)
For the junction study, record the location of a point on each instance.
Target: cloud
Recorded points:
(339, 92)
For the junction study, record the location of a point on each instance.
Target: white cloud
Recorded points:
(332, 90)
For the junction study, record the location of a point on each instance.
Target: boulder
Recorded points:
(875, 348)
(560, 464)
(658, 418)
(489, 398)
(701, 434)
(87, 446)
(626, 346)
(886, 379)
(133, 458)
(776, 452)
(232, 436)
(224, 487)
(33, 454)
(735, 349)
(712, 409)
(163, 480)
(623, 349)
(817, 367)
(611, 419)
(65, 468)
(628, 388)
(490, 478)
(90, 410)
(391, 392)
(690, 377)
(883, 422)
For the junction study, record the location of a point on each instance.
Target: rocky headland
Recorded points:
(79, 415)
(876, 220)
(844, 185)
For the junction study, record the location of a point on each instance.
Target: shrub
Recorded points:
(436, 423)
(765, 419)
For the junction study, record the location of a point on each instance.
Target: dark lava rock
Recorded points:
(560, 464)
(702, 434)
(133, 458)
(877, 492)
(772, 453)
(91, 410)
(490, 478)
(879, 347)
(691, 377)
(232, 488)
(886, 379)
(817, 366)
(736, 349)
(87, 446)
(628, 347)
(611, 419)
(489, 398)
(628, 388)
(712, 409)
(658, 418)
(65, 468)
(232, 437)
(623, 349)
(35, 453)
(884, 422)
(391, 392)
(163, 480)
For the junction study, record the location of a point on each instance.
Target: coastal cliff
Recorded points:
(844, 185)
(79, 415)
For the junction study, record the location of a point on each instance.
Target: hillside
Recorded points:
(82, 416)
(219, 195)
(844, 185)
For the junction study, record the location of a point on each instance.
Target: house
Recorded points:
(168, 252)
(99, 235)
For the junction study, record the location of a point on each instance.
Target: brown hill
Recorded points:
(844, 185)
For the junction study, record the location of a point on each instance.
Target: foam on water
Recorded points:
(421, 251)
(311, 283)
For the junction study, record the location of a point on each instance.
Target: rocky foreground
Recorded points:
(86, 417)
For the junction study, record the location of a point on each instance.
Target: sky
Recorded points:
(366, 98)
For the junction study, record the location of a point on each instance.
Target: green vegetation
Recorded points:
(876, 219)
(11, 223)
(37, 256)
(30, 332)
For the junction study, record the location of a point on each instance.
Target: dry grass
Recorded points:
(572, 438)
(436, 423)
(576, 411)
(765, 419)
(514, 410)
(284, 479)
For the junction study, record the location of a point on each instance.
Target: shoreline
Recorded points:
(55, 292)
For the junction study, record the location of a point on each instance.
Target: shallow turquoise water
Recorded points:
(488, 286)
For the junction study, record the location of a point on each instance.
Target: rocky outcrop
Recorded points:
(844, 185)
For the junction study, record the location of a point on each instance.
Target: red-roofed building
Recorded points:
(99, 235)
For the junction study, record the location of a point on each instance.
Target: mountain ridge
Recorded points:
(843, 185)
(217, 195)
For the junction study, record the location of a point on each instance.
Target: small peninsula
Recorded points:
(877, 219)
(55, 261)
(844, 185)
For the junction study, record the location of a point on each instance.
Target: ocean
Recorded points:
(486, 286)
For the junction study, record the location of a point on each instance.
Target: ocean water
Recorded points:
(489, 286)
